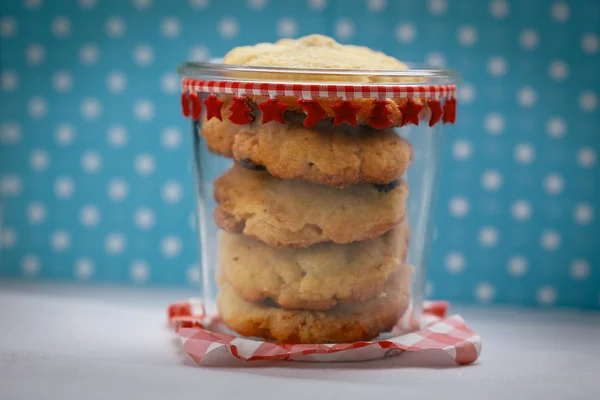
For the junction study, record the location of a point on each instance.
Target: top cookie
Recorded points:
(313, 51)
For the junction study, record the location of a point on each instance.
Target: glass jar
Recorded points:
(316, 192)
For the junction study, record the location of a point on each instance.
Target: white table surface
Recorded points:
(59, 342)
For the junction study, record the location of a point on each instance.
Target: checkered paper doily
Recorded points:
(207, 343)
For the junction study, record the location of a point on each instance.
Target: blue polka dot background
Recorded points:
(96, 176)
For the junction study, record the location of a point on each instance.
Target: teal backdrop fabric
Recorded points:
(95, 158)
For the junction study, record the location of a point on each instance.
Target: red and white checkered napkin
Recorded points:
(208, 342)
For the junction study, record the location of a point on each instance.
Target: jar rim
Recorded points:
(415, 75)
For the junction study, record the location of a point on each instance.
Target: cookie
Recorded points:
(318, 277)
(339, 156)
(287, 213)
(342, 324)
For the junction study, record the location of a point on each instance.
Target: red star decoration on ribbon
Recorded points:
(449, 111)
(346, 112)
(410, 112)
(213, 107)
(196, 106)
(272, 110)
(185, 104)
(380, 115)
(240, 112)
(436, 111)
(314, 112)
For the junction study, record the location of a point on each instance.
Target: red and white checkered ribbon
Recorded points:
(447, 335)
(313, 91)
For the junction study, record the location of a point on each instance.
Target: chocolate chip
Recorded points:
(386, 187)
(249, 164)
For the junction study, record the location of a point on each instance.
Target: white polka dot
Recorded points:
(436, 60)
(37, 107)
(462, 150)
(344, 28)
(590, 43)
(169, 82)
(143, 110)
(491, 180)
(521, 210)
(499, 9)
(62, 81)
(36, 213)
(10, 132)
(467, 35)
(35, 54)
(550, 240)
(484, 292)
(90, 108)
(560, 11)
(64, 134)
(287, 27)
(488, 236)
(117, 136)
(517, 266)
(197, 53)
(556, 127)
(228, 28)
(9, 80)
(33, 4)
(171, 138)
(115, 27)
(406, 32)
(89, 54)
(586, 157)
(61, 27)
(494, 124)
(64, 187)
(143, 55)
(376, 5)
(527, 97)
(142, 4)
(89, 215)
(39, 159)
(553, 183)
(170, 246)
(199, 4)
(583, 214)
(171, 192)
(60, 240)
(84, 268)
(10, 185)
(529, 39)
(579, 269)
(546, 295)
(8, 26)
(466, 93)
(8, 237)
(588, 101)
(524, 153)
(317, 5)
(116, 82)
(30, 266)
(118, 190)
(144, 218)
(193, 274)
(497, 66)
(91, 162)
(455, 262)
(458, 206)
(558, 70)
(170, 27)
(139, 271)
(87, 4)
(437, 7)
(144, 164)
(115, 243)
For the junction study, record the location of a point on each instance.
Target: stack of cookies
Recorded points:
(314, 235)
